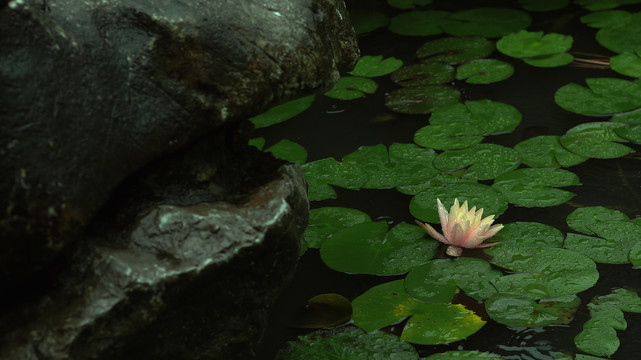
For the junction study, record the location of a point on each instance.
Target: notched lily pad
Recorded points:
(492, 116)
(483, 161)
(522, 311)
(484, 71)
(583, 219)
(601, 19)
(365, 21)
(448, 136)
(547, 152)
(289, 150)
(421, 99)
(527, 234)
(536, 187)
(419, 23)
(372, 66)
(526, 44)
(603, 96)
(596, 140)
(325, 221)
(628, 64)
(623, 37)
(282, 112)
(321, 173)
(431, 73)
(352, 87)
(617, 239)
(488, 22)
(456, 50)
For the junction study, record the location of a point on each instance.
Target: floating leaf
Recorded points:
(371, 66)
(596, 140)
(630, 133)
(347, 343)
(463, 355)
(423, 74)
(628, 64)
(456, 50)
(594, 5)
(325, 221)
(623, 37)
(635, 255)
(419, 23)
(319, 174)
(548, 61)
(526, 44)
(543, 272)
(546, 151)
(632, 117)
(527, 234)
(351, 87)
(536, 187)
(289, 150)
(522, 311)
(324, 310)
(407, 4)
(368, 248)
(487, 22)
(423, 205)
(543, 5)
(492, 116)
(365, 21)
(603, 96)
(448, 136)
(582, 219)
(485, 161)
(429, 324)
(484, 71)
(259, 142)
(405, 164)
(601, 19)
(421, 99)
(438, 280)
(282, 112)
(618, 238)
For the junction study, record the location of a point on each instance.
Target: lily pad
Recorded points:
(351, 87)
(456, 50)
(325, 221)
(423, 205)
(463, 355)
(635, 255)
(372, 66)
(282, 112)
(429, 324)
(488, 22)
(631, 117)
(594, 5)
(288, 150)
(543, 273)
(596, 140)
(623, 37)
(421, 99)
(259, 142)
(548, 61)
(368, 248)
(484, 71)
(319, 174)
(630, 133)
(323, 311)
(582, 219)
(365, 21)
(522, 311)
(404, 164)
(543, 5)
(347, 343)
(527, 234)
(483, 161)
(419, 23)
(536, 187)
(601, 19)
(423, 74)
(526, 44)
(407, 4)
(492, 116)
(439, 280)
(603, 96)
(547, 152)
(617, 239)
(448, 136)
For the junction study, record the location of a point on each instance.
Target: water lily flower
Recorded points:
(462, 228)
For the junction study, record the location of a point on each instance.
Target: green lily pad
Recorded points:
(423, 74)
(492, 116)
(429, 324)
(456, 50)
(351, 87)
(631, 117)
(319, 174)
(404, 164)
(543, 5)
(549, 61)
(628, 64)
(448, 136)
(617, 239)
(630, 133)
(407, 4)
(623, 37)
(594, 5)
(522, 311)
(526, 44)
(365, 21)
(596, 140)
(325, 221)
(464, 355)
(282, 112)
(582, 219)
(419, 23)
(601, 19)
(368, 248)
(259, 142)
(483, 161)
(547, 152)
(438, 280)
(488, 22)
(527, 234)
(603, 96)
(347, 343)
(635, 255)
(536, 187)
(289, 151)
(484, 71)
(423, 204)
(543, 273)
(323, 311)
(372, 66)
(421, 99)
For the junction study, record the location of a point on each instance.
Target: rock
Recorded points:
(94, 90)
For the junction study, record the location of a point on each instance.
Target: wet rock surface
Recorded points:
(94, 90)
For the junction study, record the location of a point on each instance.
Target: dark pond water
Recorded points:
(333, 128)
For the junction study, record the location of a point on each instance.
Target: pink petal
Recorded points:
(485, 245)
(442, 214)
(432, 232)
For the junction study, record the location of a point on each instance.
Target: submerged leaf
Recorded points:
(601, 19)
(423, 74)
(543, 5)
(351, 87)
(421, 99)
(324, 310)
(455, 50)
(282, 112)
(488, 22)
